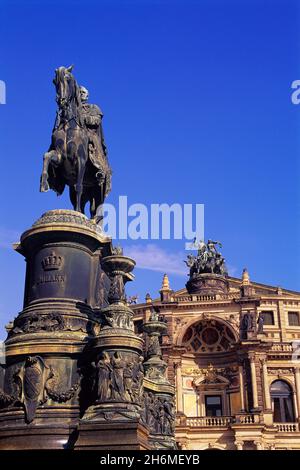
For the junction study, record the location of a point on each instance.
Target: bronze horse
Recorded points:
(68, 160)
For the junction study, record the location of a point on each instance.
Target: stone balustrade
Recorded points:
(210, 421)
(217, 421)
(226, 421)
(282, 347)
(287, 427)
(249, 418)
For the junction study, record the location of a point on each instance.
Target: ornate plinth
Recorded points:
(40, 403)
(74, 374)
(207, 284)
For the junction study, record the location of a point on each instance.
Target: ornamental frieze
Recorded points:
(36, 322)
(32, 385)
(51, 322)
(55, 393)
(281, 371)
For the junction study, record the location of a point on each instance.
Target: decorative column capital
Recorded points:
(177, 363)
(258, 445)
(239, 444)
(241, 361)
(263, 361)
(252, 356)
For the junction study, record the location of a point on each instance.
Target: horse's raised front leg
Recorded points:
(51, 156)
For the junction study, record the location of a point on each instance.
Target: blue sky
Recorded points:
(197, 108)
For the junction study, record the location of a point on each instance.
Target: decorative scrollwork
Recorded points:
(118, 317)
(6, 400)
(65, 216)
(36, 322)
(57, 395)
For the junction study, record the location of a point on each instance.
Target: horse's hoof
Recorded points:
(44, 187)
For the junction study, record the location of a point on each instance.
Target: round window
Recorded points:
(210, 336)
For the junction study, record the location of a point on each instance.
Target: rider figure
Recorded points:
(91, 116)
(211, 248)
(201, 248)
(208, 259)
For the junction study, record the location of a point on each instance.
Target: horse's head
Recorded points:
(66, 86)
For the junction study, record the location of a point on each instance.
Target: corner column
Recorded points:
(179, 400)
(253, 380)
(258, 445)
(239, 445)
(266, 385)
(297, 380)
(242, 393)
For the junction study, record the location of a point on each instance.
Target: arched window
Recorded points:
(282, 399)
(207, 336)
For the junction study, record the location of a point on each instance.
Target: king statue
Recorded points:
(77, 156)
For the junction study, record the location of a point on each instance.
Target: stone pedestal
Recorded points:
(130, 435)
(40, 401)
(207, 284)
(74, 373)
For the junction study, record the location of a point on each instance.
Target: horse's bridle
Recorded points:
(67, 108)
(66, 121)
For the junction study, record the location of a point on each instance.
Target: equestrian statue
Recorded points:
(77, 156)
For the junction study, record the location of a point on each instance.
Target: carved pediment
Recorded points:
(211, 377)
(217, 379)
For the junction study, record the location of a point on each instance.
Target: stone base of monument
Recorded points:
(50, 435)
(112, 435)
(208, 284)
(74, 373)
(39, 403)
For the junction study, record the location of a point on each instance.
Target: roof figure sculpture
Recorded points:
(207, 260)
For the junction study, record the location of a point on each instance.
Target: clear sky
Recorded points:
(197, 108)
